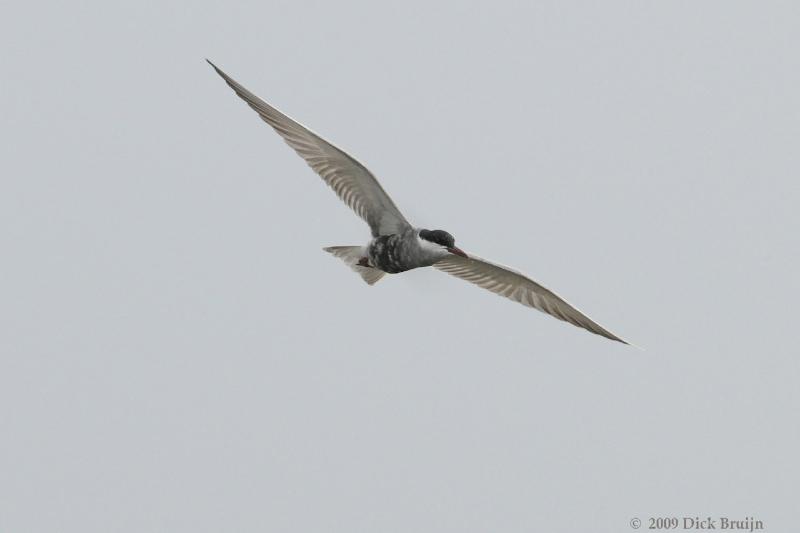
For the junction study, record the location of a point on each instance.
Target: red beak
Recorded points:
(457, 251)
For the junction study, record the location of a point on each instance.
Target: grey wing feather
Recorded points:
(349, 179)
(519, 288)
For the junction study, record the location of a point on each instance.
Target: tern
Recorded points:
(397, 246)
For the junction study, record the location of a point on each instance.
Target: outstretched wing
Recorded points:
(518, 287)
(349, 179)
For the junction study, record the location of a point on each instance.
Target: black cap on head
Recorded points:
(438, 236)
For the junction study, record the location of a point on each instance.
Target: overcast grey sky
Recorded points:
(179, 355)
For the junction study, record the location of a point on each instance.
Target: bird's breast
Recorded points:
(387, 253)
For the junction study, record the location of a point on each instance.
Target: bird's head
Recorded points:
(442, 240)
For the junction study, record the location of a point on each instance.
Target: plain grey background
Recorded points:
(179, 355)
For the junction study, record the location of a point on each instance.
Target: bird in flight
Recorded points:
(396, 245)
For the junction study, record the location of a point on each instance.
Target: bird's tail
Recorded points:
(352, 255)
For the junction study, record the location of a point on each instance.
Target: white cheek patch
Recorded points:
(429, 246)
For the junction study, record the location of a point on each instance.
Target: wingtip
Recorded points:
(636, 346)
(216, 68)
(613, 337)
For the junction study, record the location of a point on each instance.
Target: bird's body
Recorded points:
(397, 246)
(395, 253)
(399, 252)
